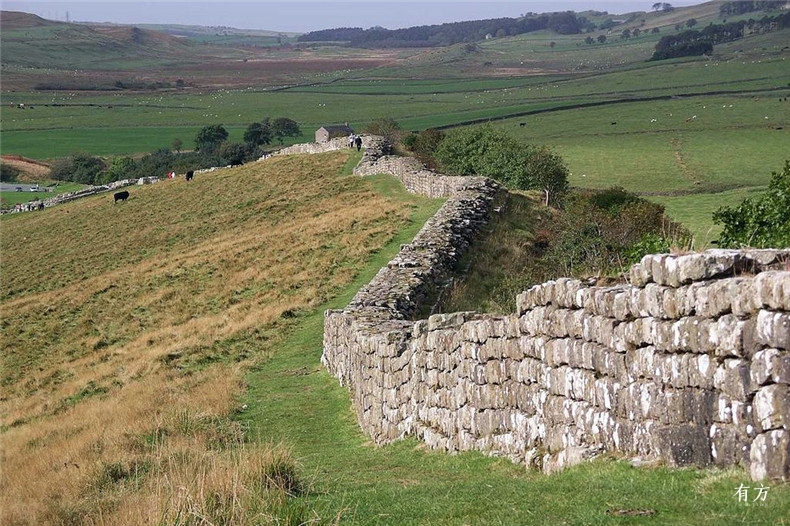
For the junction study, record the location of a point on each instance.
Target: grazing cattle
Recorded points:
(236, 163)
(358, 142)
(522, 123)
(40, 206)
(613, 123)
(120, 196)
(190, 175)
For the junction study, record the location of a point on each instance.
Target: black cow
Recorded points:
(358, 142)
(120, 196)
(190, 175)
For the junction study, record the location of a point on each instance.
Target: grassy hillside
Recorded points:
(126, 330)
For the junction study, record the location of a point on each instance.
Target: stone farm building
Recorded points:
(325, 133)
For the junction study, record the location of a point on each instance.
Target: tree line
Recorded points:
(212, 148)
(695, 43)
(564, 23)
(741, 7)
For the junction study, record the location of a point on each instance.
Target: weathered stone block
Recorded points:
(726, 336)
(685, 445)
(724, 444)
(733, 379)
(772, 407)
(773, 329)
(763, 366)
(773, 289)
(770, 456)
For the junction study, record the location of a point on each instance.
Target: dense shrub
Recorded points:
(494, 153)
(599, 232)
(8, 173)
(423, 145)
(79, 168)
(763, 221)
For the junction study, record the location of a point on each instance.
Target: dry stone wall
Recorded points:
(688, 363)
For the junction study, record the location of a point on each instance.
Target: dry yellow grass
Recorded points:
(124, 328)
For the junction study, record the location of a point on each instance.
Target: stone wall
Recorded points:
(65, 197)
(688, 363)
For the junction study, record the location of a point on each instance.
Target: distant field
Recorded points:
(689, 128)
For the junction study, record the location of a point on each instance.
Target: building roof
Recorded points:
(335, 128)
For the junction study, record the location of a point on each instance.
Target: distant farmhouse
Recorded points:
(324, 133)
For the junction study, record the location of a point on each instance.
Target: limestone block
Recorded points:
(484, 423)
(724, 444)
(556, 352)
(581, 384)
(763, 365)
(512, 349)
(773, 290)
(733, 379)
(640, 273)
(448, 321)
(701, 371)
(606, 392)
(781, 368)
(494, 373)
(773, 329)
(557, 380)
(770, 456)
(726, 336)
(699, 406)
(641, 362)
(745, 299)
(684, 445)
(569, 456)
(772, 407)
(492, 349)
(637, 332)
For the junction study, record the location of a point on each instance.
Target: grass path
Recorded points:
(292, 400)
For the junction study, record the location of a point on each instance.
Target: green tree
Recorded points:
(177, 144)
(589, 40)
(762, 221)
(8, 173)
(491, 152)
(120, 168)
(602, 39)
(79, 168)
(424, 145)
(284, 127)
(485, 151)
(547, 172)
(626, 34)
(386, 127)
(258, 133)
(210, 137)
(233, 153)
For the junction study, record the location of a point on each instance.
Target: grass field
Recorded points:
(149, 311)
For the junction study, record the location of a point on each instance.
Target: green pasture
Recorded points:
(695, 211)
(61, 123)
